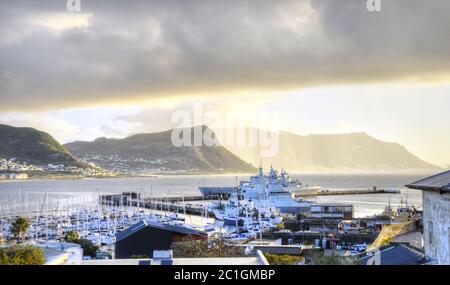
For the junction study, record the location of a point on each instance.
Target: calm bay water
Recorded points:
(66, 195)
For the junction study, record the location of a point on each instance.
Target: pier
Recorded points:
(374, 190)
(174, 204)
(179, 204)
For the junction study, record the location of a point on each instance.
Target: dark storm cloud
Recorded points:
(148, 49)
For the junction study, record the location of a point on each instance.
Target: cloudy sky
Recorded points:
(325, 66)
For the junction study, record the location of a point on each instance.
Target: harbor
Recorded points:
(181, 204)
(265, 207)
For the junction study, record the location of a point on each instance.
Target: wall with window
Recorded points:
(436, 222)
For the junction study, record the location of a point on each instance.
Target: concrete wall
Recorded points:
(436, 223)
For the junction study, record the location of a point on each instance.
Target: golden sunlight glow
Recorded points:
(59, 22)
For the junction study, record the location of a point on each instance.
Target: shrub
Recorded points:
(89, 249)
(22, 255)
(139, 256)
(333, 259)
(215, 247)
(278, 259)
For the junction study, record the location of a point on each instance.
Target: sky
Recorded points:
(323, 66)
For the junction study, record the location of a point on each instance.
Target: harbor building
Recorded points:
(143, 238)
(436, 215)
(332, 211)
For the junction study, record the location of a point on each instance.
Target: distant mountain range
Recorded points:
(154, 152)
(353, 152)
(32, 146)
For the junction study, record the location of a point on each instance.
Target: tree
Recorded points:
(71, 236)
(89, 249)
(19, 227)
(22, 255)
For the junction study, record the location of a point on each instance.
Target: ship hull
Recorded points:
(233, 221)
(215, 191)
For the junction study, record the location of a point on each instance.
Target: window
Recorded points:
(430, 233)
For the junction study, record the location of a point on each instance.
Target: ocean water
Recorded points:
(66, 195)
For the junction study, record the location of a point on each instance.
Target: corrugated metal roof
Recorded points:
(398, 255)
(440, 182)
(142, 224)
(277, 249)
(130, 230)
(183, 230)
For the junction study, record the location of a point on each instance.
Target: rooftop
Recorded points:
(142, 224)
(259, 259)
(438, 182)
(397, 254)
(180, 261)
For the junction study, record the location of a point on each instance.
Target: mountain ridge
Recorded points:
(154, 152)
(33, 146)
(324, 152)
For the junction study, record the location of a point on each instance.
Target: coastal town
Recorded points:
(224, 140)
(265, 220)
(13, 170)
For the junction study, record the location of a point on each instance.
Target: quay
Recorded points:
(168, 204)
(180, 204)
(374, 190)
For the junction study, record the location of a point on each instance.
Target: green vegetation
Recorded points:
(385, 241)
(319, 258)
(71, 236)
(139, 256)
(19, 227)
(389, 232)
(280, 227)
(33, 146)
(89, 249)
(277, 259)
(215, 247)
(22, 255)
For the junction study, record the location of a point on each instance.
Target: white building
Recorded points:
(436, 215)
(18, 176)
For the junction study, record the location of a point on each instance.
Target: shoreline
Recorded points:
(51, 177)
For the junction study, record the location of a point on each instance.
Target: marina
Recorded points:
(257, 208)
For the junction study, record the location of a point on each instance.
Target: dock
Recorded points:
(174, 204)
(179, 204)
(349, 192)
